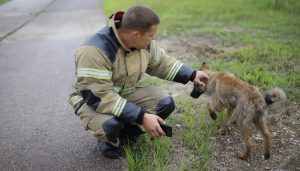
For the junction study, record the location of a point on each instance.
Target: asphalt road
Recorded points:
(38, 130)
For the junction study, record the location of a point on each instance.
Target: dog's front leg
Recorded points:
(214, 106)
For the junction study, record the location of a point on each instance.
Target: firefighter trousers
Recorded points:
(107, 127)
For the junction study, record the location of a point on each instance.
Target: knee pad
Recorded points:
(165, 107)
(112, 128)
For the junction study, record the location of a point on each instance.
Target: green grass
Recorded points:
(203, 15)
(3, 1)
(149, 154)
(265, 37)
(267, 31)
(154, 81)
(264, 65)
(195, 135)
(198, 128)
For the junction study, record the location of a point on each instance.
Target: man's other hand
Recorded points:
(151, 125)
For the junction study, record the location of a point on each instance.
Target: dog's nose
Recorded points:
(195, 94)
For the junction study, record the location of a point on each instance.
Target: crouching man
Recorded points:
(108, 97)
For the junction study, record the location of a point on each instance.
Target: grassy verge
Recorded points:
(3, 1)
(196, 135)
(149, 154)
(265, 35)
(266, 31)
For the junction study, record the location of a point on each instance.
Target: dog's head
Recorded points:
(198, 89)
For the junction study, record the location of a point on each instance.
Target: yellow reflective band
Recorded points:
(76, 99)
(96, 70)
(118, 108)
(176, 71)
(94, 73)
(122, 107)
(114, 108)
(93, 76)
(172, 73)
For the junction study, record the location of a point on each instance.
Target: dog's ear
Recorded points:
(204, 66)
(200, 67)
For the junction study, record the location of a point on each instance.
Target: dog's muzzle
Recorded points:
(195, 93)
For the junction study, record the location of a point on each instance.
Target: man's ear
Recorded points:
(136, 34)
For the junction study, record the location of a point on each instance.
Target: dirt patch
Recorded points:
(285, 153)
(284, 122)
(195, 48)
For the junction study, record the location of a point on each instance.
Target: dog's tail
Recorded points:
(275, 95)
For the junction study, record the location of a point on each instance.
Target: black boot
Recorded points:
(110, 151)
(129, 134)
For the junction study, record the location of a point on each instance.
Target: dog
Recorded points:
(237, 96)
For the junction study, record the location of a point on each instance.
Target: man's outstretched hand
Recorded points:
(201, 78)
(151, 124)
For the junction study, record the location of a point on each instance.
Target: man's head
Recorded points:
(139, 26)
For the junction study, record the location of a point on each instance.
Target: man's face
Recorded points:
(143, 40)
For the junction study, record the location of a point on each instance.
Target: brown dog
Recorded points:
(226, 90)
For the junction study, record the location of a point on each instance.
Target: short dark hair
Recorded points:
(139, 18)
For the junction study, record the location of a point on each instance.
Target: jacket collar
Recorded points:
(115, 23)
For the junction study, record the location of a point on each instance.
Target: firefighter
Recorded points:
(109, 99)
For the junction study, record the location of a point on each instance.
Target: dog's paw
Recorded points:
(223, 131)
(244, 156)
(267, 156)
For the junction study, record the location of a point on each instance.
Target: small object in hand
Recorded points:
(167, 129)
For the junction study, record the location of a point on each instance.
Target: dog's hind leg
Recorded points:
(245, 131)
(227, 120)
(261, 125)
